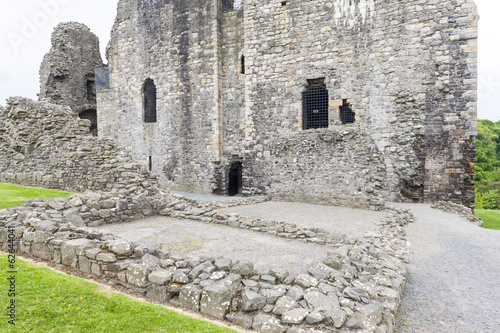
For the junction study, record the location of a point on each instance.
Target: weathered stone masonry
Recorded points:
(407, 70)
(67, 71)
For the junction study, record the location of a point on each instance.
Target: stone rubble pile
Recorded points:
(454, 208)
(357, 287)
(46, 145)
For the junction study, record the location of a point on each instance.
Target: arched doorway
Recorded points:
(235, 185)
(91, 115)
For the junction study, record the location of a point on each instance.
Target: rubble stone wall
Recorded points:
(407, 69)
(46, 145)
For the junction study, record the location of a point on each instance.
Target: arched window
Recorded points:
(231, 5)
(149, 102)
(315, 107)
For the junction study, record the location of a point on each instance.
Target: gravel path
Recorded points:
(336, 220)
(454, 275)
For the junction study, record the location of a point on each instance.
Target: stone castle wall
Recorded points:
(406, 68)
(46, 145)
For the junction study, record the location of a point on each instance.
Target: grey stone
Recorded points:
(251, 301)
(215, 299)
(42, 251)
(319, 301)
(150, 260)
(106, 257)
(295, 292)
(137, 275)
(158, 294)
(69, 250)
(180, 277)
(337, 317)
(268, 278)
(160, 276)
(279, 273)
(120, 247)
(223, 264)
(353, 323)
(306, 281)
(241, 320)
(284, 304)
(267, 324)
(370, 315)
(189, 297)
(272, 295)
(294, 316)
(243, 268)
(314, 317)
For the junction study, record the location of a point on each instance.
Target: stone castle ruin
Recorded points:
(339, 102)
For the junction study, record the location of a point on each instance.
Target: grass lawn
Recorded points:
(491, 218)
(47, 301)
(13, 195)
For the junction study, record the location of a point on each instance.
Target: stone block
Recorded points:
(267, 324)
(241, 320)
(189, 297)
(137, 275)
(251, 301)
(69, 250)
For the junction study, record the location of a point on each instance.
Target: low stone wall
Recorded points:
(46, 145)
(454, 208)
(357, 287)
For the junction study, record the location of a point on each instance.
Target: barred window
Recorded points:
(150, 102)
(315, 107)
(231, 5)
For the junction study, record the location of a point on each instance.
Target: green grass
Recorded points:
(491, 218)
(48, 301)
(13, 195)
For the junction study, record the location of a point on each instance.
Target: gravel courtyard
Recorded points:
(193, 239)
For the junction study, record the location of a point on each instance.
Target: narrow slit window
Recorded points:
(242, 64)
(150, 102)
(346, 114)
(315, 107)
(150, 163)
(91, 90)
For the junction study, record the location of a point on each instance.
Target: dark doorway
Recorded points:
(235, 185)
(91, 115)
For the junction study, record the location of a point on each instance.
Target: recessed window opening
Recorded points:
(235, 184)
(242, 64)
(91, 115)
(347, 116)
(283, 3)
(150, 102)
(91, 90)
(231, 5)
(150, 163)
(315, 105)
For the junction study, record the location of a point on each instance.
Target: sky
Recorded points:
(26, 27)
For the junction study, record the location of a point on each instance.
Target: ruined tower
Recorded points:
(67, 71)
